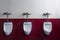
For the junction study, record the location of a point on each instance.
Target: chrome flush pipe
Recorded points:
(7, 14)
(27, 14)
(47, 15)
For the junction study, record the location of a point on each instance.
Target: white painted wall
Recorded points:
(35, 7)
(4, 7)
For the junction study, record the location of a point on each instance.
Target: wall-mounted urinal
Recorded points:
(7, 26)
(47, 26)
(27, 26)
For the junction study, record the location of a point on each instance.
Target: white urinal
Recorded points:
(47, 27)
(27, 27)
(7, 28)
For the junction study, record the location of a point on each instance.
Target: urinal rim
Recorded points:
(47, 22)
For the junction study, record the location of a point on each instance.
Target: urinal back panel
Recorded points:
(27, 27)
(8, 27)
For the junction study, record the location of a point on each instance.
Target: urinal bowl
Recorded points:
(47, 27)
(7, 28)
(27, 27)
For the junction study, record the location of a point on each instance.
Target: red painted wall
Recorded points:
(37, 30)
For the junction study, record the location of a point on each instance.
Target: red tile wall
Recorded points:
(36, 33)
